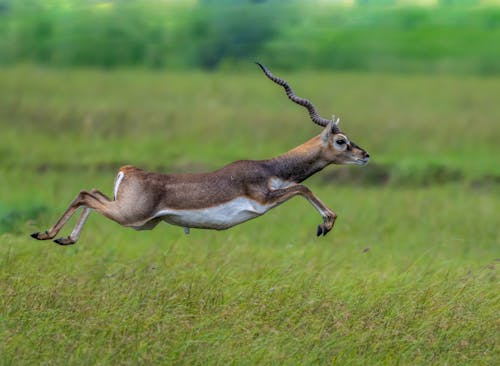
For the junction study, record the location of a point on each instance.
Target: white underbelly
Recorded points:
(218, 217)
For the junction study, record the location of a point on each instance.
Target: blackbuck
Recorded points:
(221, 199)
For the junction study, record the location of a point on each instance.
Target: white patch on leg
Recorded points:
(277, 183)
(118, 180)
(320, 210)
(75, 234)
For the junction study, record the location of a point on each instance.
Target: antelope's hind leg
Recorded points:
(75, 234)
(88, 200)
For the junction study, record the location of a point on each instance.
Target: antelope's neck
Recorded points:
(299, 163)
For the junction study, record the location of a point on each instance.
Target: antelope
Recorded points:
(224, 198)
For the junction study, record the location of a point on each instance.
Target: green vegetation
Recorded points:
(228, 34)
(407, 276)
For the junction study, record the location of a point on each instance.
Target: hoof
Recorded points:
(64, 241)
(40, 236)
(322, 230)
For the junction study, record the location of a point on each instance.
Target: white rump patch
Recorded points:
(218, 217)
(118, 180)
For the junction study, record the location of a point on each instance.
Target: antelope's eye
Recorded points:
(340, 142)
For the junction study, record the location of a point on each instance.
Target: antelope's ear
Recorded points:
(327, 131)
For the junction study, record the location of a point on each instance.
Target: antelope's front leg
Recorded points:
(279, 196)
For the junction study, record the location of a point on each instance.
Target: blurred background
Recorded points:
(163, 84)
(457, 36)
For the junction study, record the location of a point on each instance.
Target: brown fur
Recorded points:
(142, 194)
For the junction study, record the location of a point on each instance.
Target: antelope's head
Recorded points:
(336, 147)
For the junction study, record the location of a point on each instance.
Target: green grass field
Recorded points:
(408, 275)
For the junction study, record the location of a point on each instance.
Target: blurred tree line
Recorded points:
(451, 36)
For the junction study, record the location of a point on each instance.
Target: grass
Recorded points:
(407, 276)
